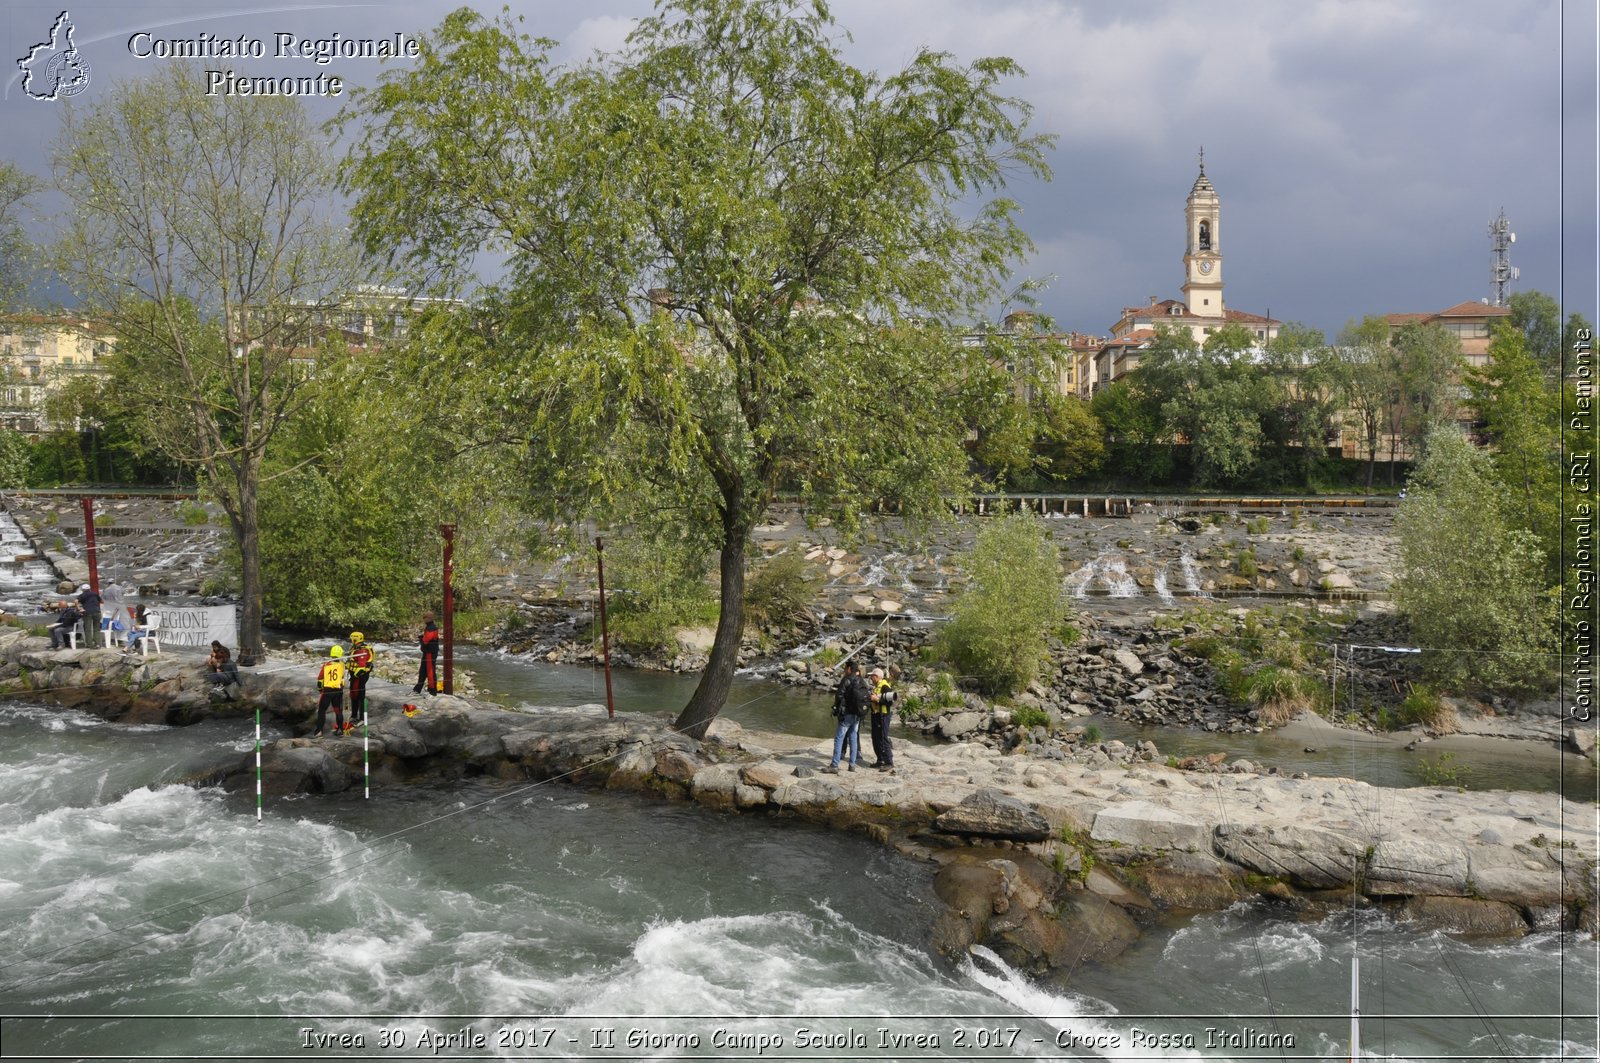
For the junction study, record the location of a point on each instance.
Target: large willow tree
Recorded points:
(730, 258)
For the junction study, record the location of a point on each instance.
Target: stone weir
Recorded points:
(1048, 862)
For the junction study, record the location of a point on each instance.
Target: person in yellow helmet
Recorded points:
(330, 680)
(361, 658)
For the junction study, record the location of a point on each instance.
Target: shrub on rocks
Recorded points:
(1000, 627)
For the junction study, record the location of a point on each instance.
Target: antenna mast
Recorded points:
(1501, 238)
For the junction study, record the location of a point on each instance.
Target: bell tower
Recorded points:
(1202, 254)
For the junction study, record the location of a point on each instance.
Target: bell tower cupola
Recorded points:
(1202, 254)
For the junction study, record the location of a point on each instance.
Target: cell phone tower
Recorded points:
(1501, 238)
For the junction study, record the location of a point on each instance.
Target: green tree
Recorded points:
(1521, 417)
(1132, 420)
(1471, 581)
(1364, 373)
(733, 260)
(1212, 396)
(212, 271)
(1538, 317)
(1072, 441)
(1304, 411)
(1426, 363)
(16, 251)
(15, 457)
(1000, 625)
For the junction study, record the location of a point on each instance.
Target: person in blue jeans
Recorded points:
(849, 705)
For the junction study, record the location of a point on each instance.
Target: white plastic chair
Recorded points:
(106, 634)
(75, 634)
(152, 621)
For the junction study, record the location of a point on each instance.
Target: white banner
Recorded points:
(198, 625)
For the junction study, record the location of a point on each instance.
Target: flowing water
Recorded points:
(144, 918)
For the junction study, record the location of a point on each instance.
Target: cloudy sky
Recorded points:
(1360, 147)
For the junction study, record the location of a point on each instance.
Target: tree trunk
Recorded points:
(251, 648)
(712, 693)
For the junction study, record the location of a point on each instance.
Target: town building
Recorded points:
(1202, 310)
(1471, 322)
(38, 352)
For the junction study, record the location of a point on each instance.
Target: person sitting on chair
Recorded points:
(66, 620)
(139, 614)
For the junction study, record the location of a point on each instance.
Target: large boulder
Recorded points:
(989, 813)
(958, 724)
(299, 768)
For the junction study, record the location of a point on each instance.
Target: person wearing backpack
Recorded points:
(849, 705)
(330, 680)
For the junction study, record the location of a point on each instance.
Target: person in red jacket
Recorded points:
(428, 670)
(360, 671)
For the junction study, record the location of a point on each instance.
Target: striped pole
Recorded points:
(258, 763)
(366, 746)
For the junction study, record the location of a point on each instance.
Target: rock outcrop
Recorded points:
(1050, 861)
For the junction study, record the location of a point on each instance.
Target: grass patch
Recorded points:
(193, 514)
(827, 657)
(1281, 694)
(1424, 705)
(1258, 525)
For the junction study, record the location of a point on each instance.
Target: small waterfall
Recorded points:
(1111, 570)
(1161, 586)
(1119, 581)
(1191, 577)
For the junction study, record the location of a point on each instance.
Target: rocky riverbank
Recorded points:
(1050, 860)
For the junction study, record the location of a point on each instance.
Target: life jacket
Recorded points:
(332, 675)
(361, 659)
(430, 640)
(885, 694)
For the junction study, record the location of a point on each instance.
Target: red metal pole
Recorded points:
(88, 535)
(449, 533)
(605, 633)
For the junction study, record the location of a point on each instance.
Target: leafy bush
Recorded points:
(999, 627)
(1027, 716)
(1247, 564)
(1258, 525)
(780, 592)
(660, 587)
(193, 514)
(1444, 771)
(1471, 579)
(943, 693)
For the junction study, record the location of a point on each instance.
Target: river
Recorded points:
(144, 918)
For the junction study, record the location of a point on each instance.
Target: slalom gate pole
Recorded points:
(605, 630)
(258, 763)
(366, 748)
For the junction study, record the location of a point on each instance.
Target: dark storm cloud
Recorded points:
(1360, 147)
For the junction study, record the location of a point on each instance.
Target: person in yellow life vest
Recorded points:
(882, 699)
(330, 680)
(361, 658)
